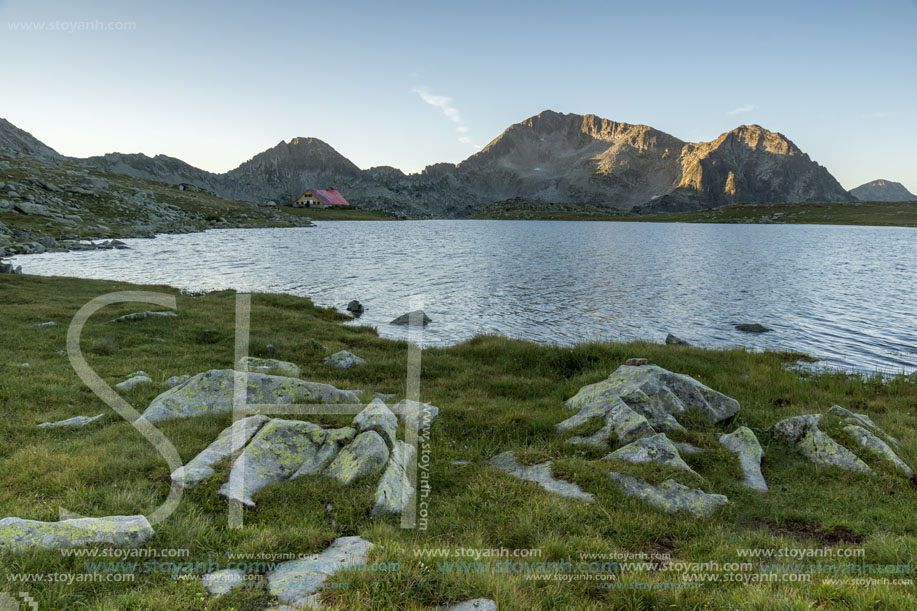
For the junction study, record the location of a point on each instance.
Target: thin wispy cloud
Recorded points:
(741, 109)
(445, 104)
(440, 101)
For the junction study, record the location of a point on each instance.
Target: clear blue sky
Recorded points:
(214, 83)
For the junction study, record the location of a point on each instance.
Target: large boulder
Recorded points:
(394, 489)
(275, 453)
(670, 496)
(619, 419)
(655, 393)
(18, 535)
(378, 417)
(211, 392)
(816, 445)
(297, 582)
(657, 449)
(541, 474)
(744, 444)
(367, 453)
(230, 441)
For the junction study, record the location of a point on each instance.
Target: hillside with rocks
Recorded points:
(882, 190)
(550, 157)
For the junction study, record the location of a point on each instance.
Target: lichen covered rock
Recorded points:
(670, 496)
(230, 441)
(281, 368)
(743, 443)
(378, 417)
(275, 453)
(211, 392)
(656, 449)
(367, 453)
(296, 582)
(18, 535)
(394, 489)
(541, 474)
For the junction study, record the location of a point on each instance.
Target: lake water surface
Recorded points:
(843, 294)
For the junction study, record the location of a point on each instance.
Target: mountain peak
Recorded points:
(883, 190)
(14, 141)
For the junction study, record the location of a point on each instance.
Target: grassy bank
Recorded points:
(903, 214)
(495, 395)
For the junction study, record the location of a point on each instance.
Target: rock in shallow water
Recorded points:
(541, 474)
(18, 535)
(752, 328)
(418, 316)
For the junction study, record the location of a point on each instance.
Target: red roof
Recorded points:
(330, 197)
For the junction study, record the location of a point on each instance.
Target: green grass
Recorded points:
(495, 395)
(899, 214)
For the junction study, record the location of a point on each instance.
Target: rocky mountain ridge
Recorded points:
(555, 157)
(882, 190)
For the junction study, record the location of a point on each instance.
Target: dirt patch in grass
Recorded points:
(808, 531)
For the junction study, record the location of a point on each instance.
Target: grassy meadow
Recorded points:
(495, 395)
(893, 214)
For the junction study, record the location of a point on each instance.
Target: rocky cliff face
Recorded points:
(882, 190)
(747, 165)
(554, 157)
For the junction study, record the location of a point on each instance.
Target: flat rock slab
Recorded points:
(134, 382)
(230, 441)
(343, 360)
(76, 421)
(211, 392)
(745, 445)
(394, 489)
(275, 453)
(296, 582)
(656, 394)
(223, 582)
(656, 449)
(143, 315)
(20, 535)
(367, 453)
(670, 496)
(281, 368)
(542, 475)
(44, 325)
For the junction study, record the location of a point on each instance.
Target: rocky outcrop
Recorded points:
(394, 489)
(882, 190)
(230, 441)
(542, 475)
(211, 392)
(657, 449)
(18, 535)
(16, 142)
(652, 392)
(842, 439)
